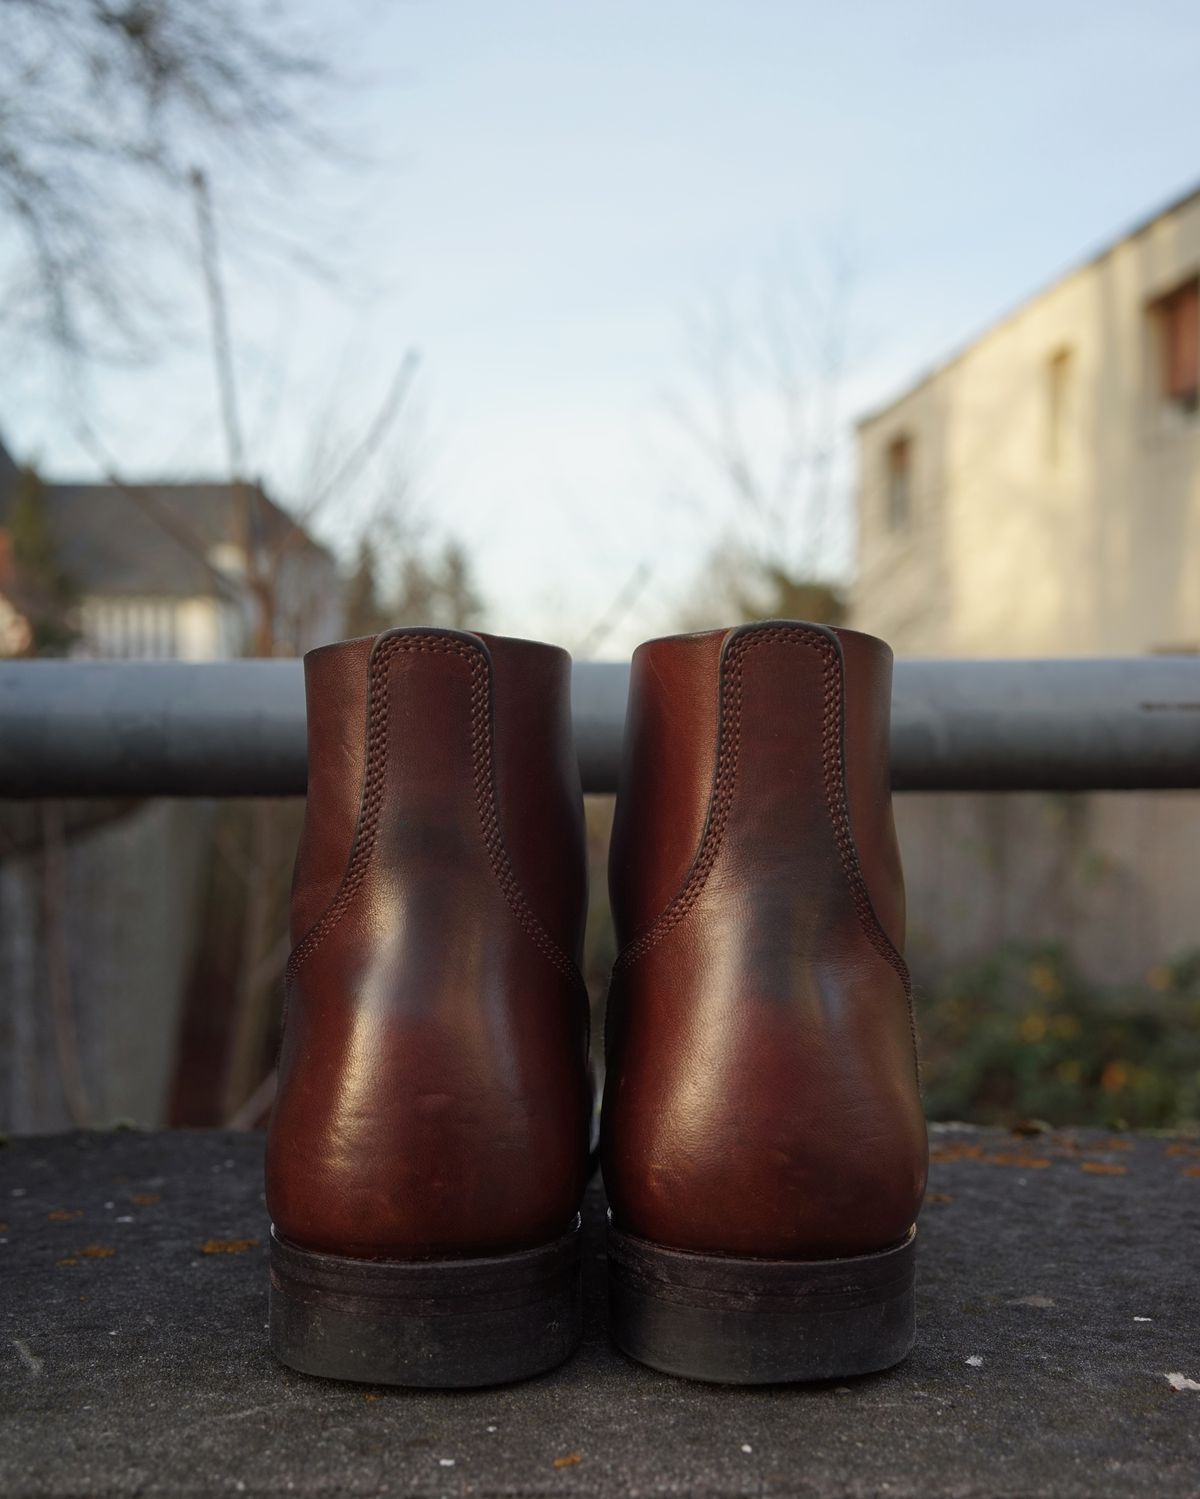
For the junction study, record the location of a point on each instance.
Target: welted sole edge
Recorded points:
(428, 1324)
(728, 1320)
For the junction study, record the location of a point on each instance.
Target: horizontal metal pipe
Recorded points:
(1073, 725)
(236, 728)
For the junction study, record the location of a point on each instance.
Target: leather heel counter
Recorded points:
(762, 1099)
(433, 1095)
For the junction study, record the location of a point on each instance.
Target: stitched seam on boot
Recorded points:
(485, 801)
(833, 755)
(833, 782)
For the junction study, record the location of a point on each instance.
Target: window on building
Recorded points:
(1058, 401)
(899, 482)
(1178, 320)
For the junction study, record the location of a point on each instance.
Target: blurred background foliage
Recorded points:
(1021, 1035)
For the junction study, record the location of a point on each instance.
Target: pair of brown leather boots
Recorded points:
(762, 1139)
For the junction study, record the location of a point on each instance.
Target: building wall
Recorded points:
(1109, 876)
(1020, 545)
(1047, 519)
(144, 627)
(210, 629)
(147, 627)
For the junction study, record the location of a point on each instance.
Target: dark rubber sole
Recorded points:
(430, 1324)
(747, 1321)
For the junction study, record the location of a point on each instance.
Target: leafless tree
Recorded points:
(106, 107)
(115, 118)
(760, 407)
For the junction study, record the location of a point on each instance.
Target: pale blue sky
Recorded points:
(558, 184)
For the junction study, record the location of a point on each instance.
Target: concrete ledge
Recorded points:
(1058, 1291)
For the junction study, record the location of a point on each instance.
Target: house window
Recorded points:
(1178, 318)
(1058, 397)
(899, 482)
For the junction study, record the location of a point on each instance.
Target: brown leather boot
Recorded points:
(429, 1144)
(763, 1143)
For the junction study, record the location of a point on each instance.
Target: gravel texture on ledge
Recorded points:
(1058, 1294)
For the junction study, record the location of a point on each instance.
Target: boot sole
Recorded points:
(754, 1321)
(428, 1324)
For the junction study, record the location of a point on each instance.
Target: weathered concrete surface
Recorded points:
(1055, 1301)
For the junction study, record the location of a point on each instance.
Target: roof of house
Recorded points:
(155, 539)
(1183, 201)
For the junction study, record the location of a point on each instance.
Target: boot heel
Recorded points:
(433, 1324)
(749, 1321)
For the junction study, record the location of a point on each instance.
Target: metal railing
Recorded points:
(236, 728)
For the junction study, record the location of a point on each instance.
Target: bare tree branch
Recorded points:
(762, 410)
(627, 596)
(352, 464)
(144, 498)
(104, 105)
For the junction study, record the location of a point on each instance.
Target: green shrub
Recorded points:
(1022, 1034)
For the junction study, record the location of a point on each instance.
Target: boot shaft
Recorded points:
(798, 718)
(761, 1094)
(405, 688)
(433, 1092)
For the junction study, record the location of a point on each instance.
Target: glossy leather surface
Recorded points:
(761, 1095)
(434, 1097)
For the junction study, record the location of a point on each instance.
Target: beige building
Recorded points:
(1038, 494)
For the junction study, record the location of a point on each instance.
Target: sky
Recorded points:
(544, 197)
